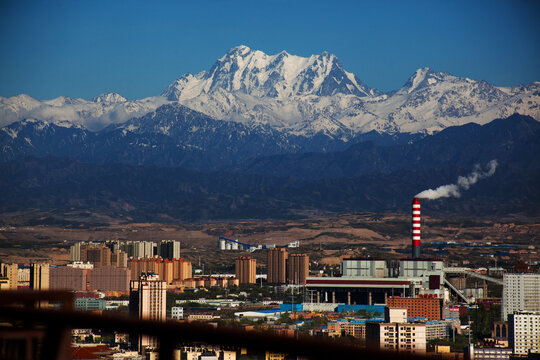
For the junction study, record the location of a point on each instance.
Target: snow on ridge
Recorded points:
(302, 95)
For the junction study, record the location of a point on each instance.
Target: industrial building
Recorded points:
(373, 281)
(370, 281)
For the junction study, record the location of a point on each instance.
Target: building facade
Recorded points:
(168, 270)
(11, 272)
(521, 292)
(524, 332)
(419, 307)
(297, 269)
(277, 266)
(147, 300)
(68, 278)
(109, 278)
(245, 268)
(169, 249)
(401, 337)
(39, 277)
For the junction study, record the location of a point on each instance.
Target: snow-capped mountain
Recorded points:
(303, 96)
(306, 96)
(101, 111)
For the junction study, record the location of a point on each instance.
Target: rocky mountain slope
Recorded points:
(304, 96)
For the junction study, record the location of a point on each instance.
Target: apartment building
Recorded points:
(521, 292)
(524, 332)
(245, 268)
(277, 265)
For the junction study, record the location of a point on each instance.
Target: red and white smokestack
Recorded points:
(415, 228)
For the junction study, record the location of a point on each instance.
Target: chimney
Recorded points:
(415, 228)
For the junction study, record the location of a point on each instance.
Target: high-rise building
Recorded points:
(169, 249)
(524, 332)
(298, 268)
(109, 278)
(68, 278)
(521, 292)
(245, 268)
(277, 266)
(182, 269)
(168, 270)
(147, 300)
(11, 272)
(119, 258)
(39, 277)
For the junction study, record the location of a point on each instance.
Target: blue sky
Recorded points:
(85, 48)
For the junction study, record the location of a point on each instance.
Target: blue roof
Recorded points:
(367, 308)
(268, 311)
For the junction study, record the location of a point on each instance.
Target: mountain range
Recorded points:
(260, 136)
(365, 177)
(305, 96)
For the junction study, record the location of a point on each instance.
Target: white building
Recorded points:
(177, 313)
(147, 300)
(364, 267)
(521, 292)
(396, 336)
(404, 337)
(524, 332)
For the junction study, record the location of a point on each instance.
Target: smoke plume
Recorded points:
(463, 183)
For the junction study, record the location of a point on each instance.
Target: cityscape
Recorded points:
(269, 180)
(411, 305)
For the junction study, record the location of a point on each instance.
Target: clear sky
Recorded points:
(85, 48)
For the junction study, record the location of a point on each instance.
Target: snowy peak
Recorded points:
(423, 78)
(280, 76)
(109, 98)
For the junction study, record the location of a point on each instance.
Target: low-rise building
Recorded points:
(90, 304)
(177, 313)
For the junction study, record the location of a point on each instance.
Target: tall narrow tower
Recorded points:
(415, 228)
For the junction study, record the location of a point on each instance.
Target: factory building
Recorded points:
(370, 281)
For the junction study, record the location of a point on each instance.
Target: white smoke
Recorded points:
(463, 183)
